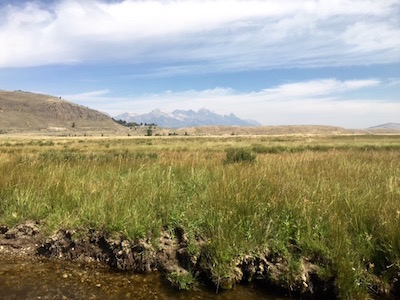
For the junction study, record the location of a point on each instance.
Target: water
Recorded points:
(23, 278)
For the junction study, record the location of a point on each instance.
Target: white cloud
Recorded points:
(92, 94)
(372, 36)
(323, 101)
(319, 88)
(393, 82)
(217, 35)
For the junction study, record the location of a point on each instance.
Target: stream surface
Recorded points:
(33, 278)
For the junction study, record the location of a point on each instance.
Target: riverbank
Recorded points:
(306, 215)
(169, 254)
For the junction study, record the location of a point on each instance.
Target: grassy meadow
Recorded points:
(333, 199)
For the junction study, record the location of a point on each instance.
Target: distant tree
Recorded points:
(126, 124)
(73, 124)
(149, 132)
(132, 124)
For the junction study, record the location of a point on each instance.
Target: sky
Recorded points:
(279, 62)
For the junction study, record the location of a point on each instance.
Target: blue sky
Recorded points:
(330, 62)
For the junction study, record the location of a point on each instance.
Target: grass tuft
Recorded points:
(237, 155)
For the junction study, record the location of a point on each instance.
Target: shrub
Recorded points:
(236, 155)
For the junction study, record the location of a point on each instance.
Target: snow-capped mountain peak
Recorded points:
(186, 118)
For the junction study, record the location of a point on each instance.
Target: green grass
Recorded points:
(336, 199)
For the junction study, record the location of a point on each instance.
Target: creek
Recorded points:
(39, 278)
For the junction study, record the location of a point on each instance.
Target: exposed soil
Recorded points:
(170, 254)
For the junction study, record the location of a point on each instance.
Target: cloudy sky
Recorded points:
(331, 62)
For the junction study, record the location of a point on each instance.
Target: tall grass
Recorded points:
(336, 200)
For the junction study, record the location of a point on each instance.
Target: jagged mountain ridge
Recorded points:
(186, 118)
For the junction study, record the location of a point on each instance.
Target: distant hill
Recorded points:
(28, 112)
(262, 130)
(186, 118)
(388, 126)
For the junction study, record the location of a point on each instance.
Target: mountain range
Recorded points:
(45, 114)
(185, 118)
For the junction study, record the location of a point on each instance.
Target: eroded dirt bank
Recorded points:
(181, 261)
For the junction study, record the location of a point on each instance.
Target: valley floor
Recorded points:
(310, 215)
